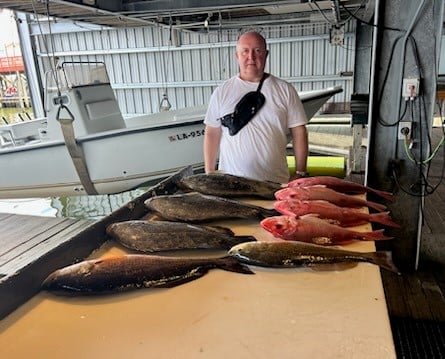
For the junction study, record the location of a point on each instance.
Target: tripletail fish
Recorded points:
(197, 207)
(339, 185)
(296, 254)
(227, 185)
(134, 271)
(327, 194)
(311, 229)
(342, 216)
(155, 236)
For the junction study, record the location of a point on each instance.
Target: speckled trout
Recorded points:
(296, 254)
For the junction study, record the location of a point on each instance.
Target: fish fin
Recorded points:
(267, 212)
(377, 235)
(377, 206)
(220, 229)
(386, 195)
(383, 259)
(242, 239)
(309, 215)
(231, 264)
(329, 267)
(383, 218)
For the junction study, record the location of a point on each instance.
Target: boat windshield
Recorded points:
(76, 74)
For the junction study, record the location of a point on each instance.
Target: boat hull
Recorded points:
(147, 150)
(117, 161)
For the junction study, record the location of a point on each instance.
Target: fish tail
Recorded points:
(267, 212)
(231, 264)
(242, 239)
(383, 218)
(383, 259)
(377, 206)
(377, 235)
(386, 195)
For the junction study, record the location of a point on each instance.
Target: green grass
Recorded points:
(11, 114)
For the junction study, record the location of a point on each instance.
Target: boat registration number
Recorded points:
(185, 136)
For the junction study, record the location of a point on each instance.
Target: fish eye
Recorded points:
(278, 226)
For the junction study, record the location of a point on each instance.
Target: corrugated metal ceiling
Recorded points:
(194, 14)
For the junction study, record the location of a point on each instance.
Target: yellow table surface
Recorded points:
(276, 313)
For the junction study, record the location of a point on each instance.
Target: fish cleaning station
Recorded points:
(346, 260)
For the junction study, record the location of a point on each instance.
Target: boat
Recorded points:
(84, 146)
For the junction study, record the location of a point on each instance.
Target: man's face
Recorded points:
(251, 55)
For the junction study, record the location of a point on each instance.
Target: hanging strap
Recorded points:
(265, 76)
(75, 151)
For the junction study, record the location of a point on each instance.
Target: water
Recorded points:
(84, 207)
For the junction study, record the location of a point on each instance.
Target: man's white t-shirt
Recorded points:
(258, 150)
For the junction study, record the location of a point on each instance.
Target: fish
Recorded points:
(311, 229)
(327, 194)
(295, 254)
(197, 207)
(134, 271)
(155, 236)
(227, 185)
(340, 185)
(342, 216)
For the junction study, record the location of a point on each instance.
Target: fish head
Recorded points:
(279, 226)
(298, 182)
(287, 193)
(240, 251)
(292, 207)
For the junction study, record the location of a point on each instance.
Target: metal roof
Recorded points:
(195, 14)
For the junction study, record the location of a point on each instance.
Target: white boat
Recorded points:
(100, 152)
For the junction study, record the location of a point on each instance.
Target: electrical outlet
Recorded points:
(410, 88)
(405, 128)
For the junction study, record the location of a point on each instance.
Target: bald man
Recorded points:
(258, 149)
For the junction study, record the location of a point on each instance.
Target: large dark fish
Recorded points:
(338, 184)
(295, 254)
(134, 271)
(154, 236)
(226, 185)
(197, 207)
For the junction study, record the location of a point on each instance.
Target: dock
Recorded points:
(415, 300)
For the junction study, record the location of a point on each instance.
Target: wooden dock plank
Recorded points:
(21, 232)
(25, 253)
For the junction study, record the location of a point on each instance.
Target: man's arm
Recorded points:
(212, 138)
(301, 148)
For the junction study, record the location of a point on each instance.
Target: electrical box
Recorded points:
(337, 35)
(410, 88)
